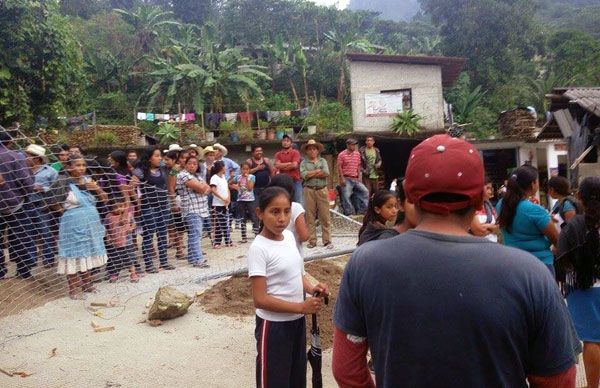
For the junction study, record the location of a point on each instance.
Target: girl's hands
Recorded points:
(311, 305)
(92, 185)
(321, 288)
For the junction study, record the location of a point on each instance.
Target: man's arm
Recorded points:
(349, 364)
(340, 161)
(564, 379)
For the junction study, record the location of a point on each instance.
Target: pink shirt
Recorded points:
(349, 163)
(117, 229)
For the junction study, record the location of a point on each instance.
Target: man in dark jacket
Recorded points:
(16, 184)
(370, 159)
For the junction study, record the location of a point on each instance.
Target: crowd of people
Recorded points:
(431, 293)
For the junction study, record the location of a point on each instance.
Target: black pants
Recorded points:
(281, 359)
(21, 242)
(247, 211)
(119, 258)
(222, 226)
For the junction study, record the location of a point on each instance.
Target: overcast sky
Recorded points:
(339, 3)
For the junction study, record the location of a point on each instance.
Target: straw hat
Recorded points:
(312, 142)
(174, 147)
(198, 150)
(36, 150)
(209, 149)
(221, 148)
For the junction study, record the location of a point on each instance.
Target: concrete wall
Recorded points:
(372, 77)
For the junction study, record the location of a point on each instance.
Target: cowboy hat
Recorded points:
(221, 148)
(198, 150)
(312, 142)
(36, 150)
(209, 149)
(174, 147)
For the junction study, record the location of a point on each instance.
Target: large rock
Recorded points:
(168, 304)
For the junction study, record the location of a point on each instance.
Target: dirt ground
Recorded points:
(233, 298)
(23, 294)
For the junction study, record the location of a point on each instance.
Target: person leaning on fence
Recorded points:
(81, 233)
(16, 185)
(436, 305)
(39, 213)
(154, 207)
(279, 283)
(175, 163)
(120, 251)
(61, 153)
(349, 169)
(193, 190)
(314, 171)
(370, 162)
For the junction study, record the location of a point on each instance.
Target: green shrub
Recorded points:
(406, 123)
(106, 138)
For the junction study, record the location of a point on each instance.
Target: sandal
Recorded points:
(311, 245)
(133, 278)
(216, 246)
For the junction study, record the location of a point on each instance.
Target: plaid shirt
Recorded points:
(191, 201)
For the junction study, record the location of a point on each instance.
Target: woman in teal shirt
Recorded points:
(525, 225)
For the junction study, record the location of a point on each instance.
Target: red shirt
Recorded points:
(349, 163)
(287, 156)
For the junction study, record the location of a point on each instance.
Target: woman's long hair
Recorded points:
(121, 158)
(518, 183)
(378, 199)
(144, 163)
(587, 263)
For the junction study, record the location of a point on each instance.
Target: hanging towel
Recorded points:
(231, 117)
(150, 116)
(159, 117)
(264, 115)
(286, 113)
(246, 118)
(167, 117)
(141, 116)
(274, 115)
(190, 117)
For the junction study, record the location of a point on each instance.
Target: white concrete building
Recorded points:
(382, 85)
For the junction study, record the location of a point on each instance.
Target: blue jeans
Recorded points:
(194, 225)
(154, 221)
(356, 187)
(298, 189)
(41, 221)
(21, 242)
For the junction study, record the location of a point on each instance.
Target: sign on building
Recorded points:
(387, 103)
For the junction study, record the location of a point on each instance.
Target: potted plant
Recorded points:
(311, 123)
(261, 131)
(228, 128)
(406, 123)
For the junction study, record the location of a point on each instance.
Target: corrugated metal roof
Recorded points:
(587, 98)
(451, 66)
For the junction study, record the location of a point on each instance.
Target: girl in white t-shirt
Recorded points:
(276, 271)
(221, 199)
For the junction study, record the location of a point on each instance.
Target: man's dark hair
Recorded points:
(449, 198)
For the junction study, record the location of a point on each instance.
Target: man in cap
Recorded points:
(349, 169)
(232, 169)
(315, 171)
(287, 161)
(37, 210)
(16, 185)
(437, 306)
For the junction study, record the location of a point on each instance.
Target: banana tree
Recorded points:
(148, 22)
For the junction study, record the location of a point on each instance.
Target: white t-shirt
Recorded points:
(222, 189)
(297, 211)
(283, 267)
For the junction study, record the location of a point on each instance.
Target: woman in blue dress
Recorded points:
(579, 254)
(81, 233)
(523, 224)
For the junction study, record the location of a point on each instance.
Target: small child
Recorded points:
(246, 202)
(276, 272)
(383, 208)
(119, 224)
(221, 200)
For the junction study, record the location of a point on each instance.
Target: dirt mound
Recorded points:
(232, 297)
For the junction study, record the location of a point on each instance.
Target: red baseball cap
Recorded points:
(444, 164)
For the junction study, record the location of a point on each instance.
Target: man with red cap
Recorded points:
(438, 307)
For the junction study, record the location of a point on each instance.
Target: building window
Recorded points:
(388, 102)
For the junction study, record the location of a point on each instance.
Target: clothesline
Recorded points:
(212, 120)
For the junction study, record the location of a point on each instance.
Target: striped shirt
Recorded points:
(191, 201)
(349, 163)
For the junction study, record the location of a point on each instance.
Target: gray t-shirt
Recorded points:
(440, 309)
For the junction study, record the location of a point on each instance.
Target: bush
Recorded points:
(406, 123)
(333, 117)
(106, 138)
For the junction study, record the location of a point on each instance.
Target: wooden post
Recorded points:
(135, 116)
(95, 128)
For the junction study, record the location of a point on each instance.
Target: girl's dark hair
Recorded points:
(587, 261)
(269, 194)
(487, 180)
(218, 166)
(121, 158)
(245, 164)
(378, 199)
(144, 163)
(518, 183)
(401, 198)
(173, 155)
(285, 182)
(560, 185)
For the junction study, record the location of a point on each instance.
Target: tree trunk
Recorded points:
(305, 87)
(342, 83)
(294, 92)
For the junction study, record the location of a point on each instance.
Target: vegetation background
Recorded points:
(70, 57)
